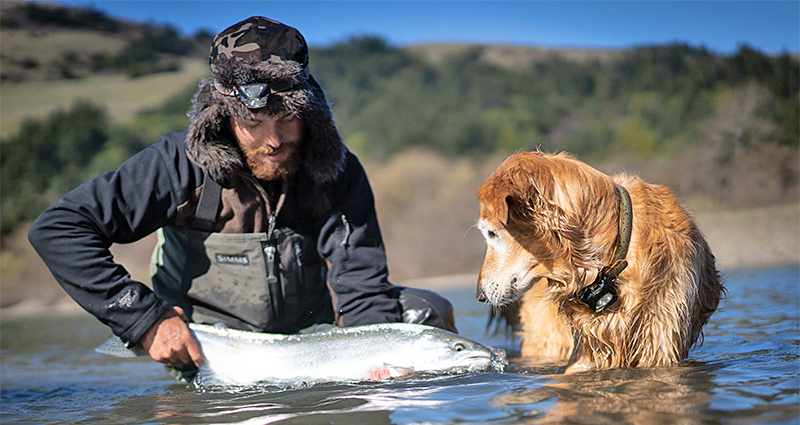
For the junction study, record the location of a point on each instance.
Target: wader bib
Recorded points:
(265, 282)
(272, 282)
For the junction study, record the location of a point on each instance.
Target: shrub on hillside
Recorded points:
(51, 156)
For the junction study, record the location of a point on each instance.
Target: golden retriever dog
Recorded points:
(605, 271)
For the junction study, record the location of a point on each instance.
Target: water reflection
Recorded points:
(747, 372)
(658, 395)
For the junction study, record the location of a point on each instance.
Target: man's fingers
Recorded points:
(195, 352)
(183, 355)
(190, 351)
(170, 341)
(167, 340)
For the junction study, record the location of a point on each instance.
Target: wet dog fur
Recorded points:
(551, 223)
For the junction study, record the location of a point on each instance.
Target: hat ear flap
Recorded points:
(209, 139)
(324, 150)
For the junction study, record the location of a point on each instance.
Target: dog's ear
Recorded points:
(495, 195)
(532, 176)
(533, 201)
(519, 186)
(529, 199)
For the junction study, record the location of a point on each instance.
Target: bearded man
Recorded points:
(265, 221)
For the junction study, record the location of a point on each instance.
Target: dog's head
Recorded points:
(538, 214)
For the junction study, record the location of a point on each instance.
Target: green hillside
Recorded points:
(81, 92)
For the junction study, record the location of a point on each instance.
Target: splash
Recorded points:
(499, 359)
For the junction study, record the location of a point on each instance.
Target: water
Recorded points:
(746, 372)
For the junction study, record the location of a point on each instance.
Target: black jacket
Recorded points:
(160, 187)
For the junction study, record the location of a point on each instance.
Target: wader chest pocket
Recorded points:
(244, 281)
(293, 276)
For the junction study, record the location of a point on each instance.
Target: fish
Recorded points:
(236, 357)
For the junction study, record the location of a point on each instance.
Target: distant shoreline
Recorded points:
(740, 239)
(753, 238)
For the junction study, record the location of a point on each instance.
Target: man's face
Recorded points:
(270, 144)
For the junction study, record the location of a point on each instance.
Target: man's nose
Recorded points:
(272, 137)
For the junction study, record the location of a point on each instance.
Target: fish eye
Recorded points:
(459, 346)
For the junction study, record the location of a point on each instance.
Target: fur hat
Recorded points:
(260, 50)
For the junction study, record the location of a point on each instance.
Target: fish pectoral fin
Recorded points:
(395, 370)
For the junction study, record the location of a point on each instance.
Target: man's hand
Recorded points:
(170, 341)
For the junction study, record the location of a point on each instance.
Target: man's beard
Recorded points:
(270, 170)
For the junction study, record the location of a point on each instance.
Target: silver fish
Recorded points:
(235, 357)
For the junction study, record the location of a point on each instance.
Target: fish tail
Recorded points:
(113, 346)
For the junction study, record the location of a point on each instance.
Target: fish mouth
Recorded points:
(475, 361)
(494, 359)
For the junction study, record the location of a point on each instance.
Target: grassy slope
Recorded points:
(123, 96)
(423, 238)
(44, 47)
(510, 56)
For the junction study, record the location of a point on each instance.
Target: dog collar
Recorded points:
(602, 293)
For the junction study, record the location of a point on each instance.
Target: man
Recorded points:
(265, 221)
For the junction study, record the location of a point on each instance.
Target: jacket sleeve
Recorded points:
(350, 240)
(74, 235)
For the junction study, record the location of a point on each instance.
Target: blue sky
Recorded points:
(721, 26)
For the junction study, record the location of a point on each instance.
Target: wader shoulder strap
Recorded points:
(206, 214)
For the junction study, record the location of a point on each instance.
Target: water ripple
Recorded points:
(746, 371)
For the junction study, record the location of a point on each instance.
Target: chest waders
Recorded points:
(265, 282)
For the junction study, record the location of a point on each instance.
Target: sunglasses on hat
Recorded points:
(255, 95)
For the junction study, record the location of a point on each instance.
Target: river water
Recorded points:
(746, 372)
